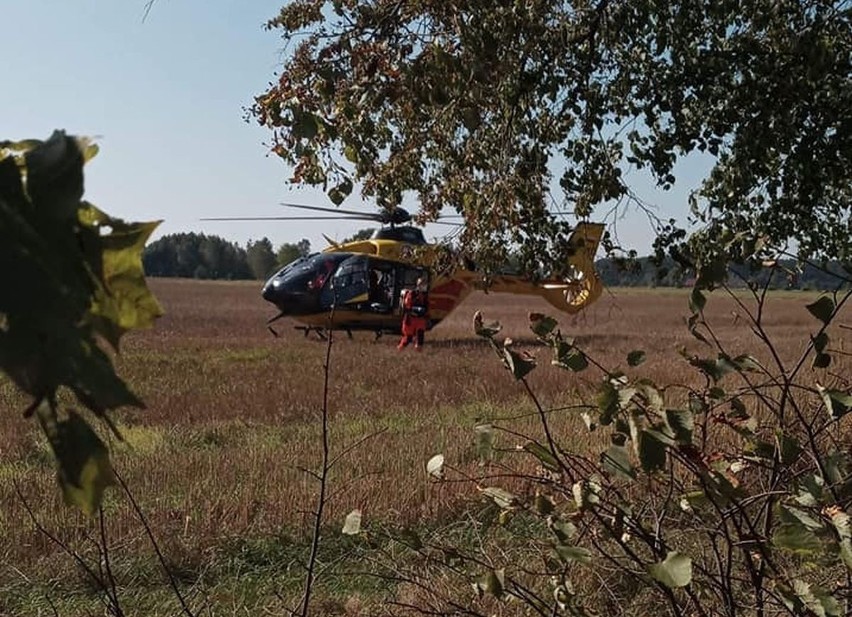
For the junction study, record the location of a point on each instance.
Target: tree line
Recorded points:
(194, 255)
(199, 256)
(652, 272)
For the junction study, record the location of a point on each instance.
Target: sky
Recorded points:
(165, 98)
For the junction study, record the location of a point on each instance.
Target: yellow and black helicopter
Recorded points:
(358, 285)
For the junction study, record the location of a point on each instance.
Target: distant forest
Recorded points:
(192, 255)
(644, 272)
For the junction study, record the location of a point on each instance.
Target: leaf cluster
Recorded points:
(487, 108)
(717, 499)
(72, 277)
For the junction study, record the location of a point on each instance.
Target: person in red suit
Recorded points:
(415, 315)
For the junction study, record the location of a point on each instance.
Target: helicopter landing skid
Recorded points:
(320, 331)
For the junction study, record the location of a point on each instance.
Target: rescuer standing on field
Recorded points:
(415, 315)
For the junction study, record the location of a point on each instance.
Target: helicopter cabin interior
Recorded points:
(369, 284)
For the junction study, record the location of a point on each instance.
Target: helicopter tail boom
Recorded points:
(570, 294)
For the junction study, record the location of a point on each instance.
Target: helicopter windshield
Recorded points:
(297, 286)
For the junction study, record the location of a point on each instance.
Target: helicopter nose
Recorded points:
(270, 290)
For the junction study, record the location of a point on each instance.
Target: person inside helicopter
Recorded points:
(381, 288)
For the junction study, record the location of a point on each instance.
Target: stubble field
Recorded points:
(217, 461)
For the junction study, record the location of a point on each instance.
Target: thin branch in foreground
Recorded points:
(149, 532)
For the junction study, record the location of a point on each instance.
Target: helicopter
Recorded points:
(357, 285)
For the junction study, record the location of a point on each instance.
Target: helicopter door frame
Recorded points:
(382, 284)
(406, 277)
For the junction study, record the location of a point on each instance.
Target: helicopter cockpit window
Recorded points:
(352, 272)
(308, 273)
(351, 279)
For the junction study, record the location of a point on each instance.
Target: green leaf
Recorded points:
(715, 369)
(86, 287)
(654, 400)
(821, 360)
(635, 358)
(574, 361)
(695, 500)
(616, 462)
(542, 325)
(673, 572)
(11, 186)
(435, 466)
(820, 342)
(746, 363)
(651, 451)
(339, 193)
(305, 125)
(586, 493)
(836, 402)
(55, 176)
(566, 356)
(485, 330)
(544, 504)
(84, 466)
(485, 439)
(738, 409)
(697, 300)
(503, 498)
(122, 301)
(563, 530)
(544, 455)
(351, 153)
(789, 447)
(810, 490)
(822, 309)
(681, 422)
(812, 600)
(607, 399)
(574, 553)
(520, 364)
(692, 324)
(492, 582)
(724, 365)
(352, 524)
(838, 471)
(795, 533)
(840, 521)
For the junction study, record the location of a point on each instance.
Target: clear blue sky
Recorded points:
(165, 99)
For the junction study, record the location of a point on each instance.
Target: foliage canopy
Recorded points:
(484, 106)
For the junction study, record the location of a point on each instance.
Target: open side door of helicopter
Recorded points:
(370, 285)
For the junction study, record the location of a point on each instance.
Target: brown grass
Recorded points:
(232, 414)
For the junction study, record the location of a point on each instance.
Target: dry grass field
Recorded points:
(216, 460)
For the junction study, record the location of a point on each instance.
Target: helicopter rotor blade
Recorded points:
(366, 215)
(450, 223)
(286, 218)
